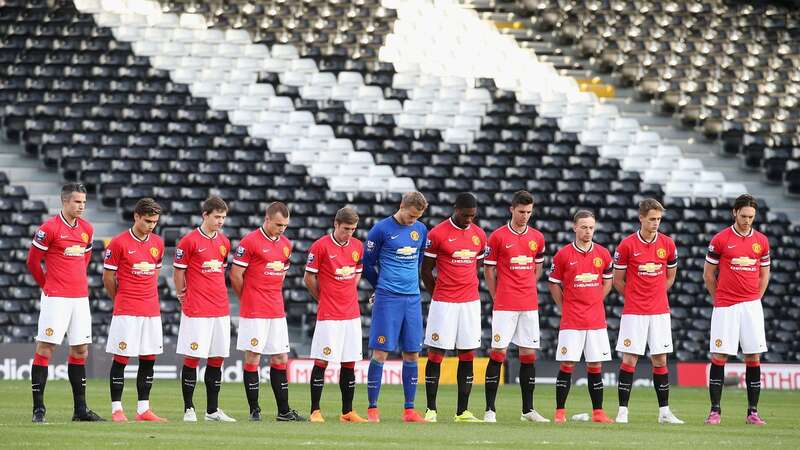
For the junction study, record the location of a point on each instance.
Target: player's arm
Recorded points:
(428, 280)
(763, 280)
(672, 268)
(554, 281)
(371, 252)
(237, 278)
(490, 275)
(620, 268)
(110, 283)
(556, 292)
(539, 270)
(87, 253)
(312, 284)
(710, 278)
(619, 280)
(607, 286)
(35, 258)
(179, 278)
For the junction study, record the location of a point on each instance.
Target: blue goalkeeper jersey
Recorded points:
(393, 255)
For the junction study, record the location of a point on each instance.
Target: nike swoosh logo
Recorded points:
(395, 236)
(451, 239)
(332, 256)
(731, 246)
(64, 236)
(509, 245)
(201, 250)
(572, 263)
(131, 251)
(666, 345)
(637, 254)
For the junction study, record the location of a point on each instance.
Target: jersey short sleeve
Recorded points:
(43, 237)
(432, 244)
(484, 246)
(492, 249)
(314, 257)
(113, 256)
(672, 250)
(608, 272)
(765, 259)
(621, 255)
(714, 250)
(539, 258)
(183, 253)
(243, 254)
(556, 275)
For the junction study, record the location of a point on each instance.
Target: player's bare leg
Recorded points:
(661, 385)
(624, 384)
(252, 378)
(433, 370)
(41, 359)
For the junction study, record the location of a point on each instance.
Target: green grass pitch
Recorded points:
(16, 430)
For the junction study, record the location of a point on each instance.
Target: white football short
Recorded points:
(739, 324)
(135, 335)
(204, 337)
(263, 336)
(337, 340)
(639, 330)
(592, 344)
(454, 325)
(518, 327)
(60, 315)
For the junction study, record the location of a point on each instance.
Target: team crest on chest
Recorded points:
(414, 236)
(154, 252)
(286, 251)
(598, 262)
(84, 237)
(355, 256)
(222, 250)
(533, 245)
(757, 248)
(661, 253)
(476, 240)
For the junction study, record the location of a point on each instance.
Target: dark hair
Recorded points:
(147, 207)
(214, 203)
(277, 208)
(346, 215)
(582, 214)
(649, 204)
(466, 200)
(68, 189)
(744, 201)
(521, 198)
(414, 199)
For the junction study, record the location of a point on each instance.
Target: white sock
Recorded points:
(142, 406)
(663, 410)
(116, 406)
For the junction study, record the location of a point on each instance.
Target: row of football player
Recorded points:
(643, 269)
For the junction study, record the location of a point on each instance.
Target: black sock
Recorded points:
(280, 388)
(527, 383)
(188, 382)
(213, 381)
(432, 371)
(563, 384)
(752, 376)
(117, 380)
(661, 385)
(464, 377)
(624, 387)
(492, 383)
(317, 383)
(251, 381)
(77, 378)
(347, 384)
(595, 383)
(38, 382)
(716, 379)
(144, 378)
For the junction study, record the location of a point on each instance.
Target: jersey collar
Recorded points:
(133, 235)
(66, 222)
(510, 228)
(733, 227)
(578, 249)
(200, 230)
(639, 235)
(263, 233)
(339, 244)
(450, 219)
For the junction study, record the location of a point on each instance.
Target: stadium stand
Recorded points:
(311, 113)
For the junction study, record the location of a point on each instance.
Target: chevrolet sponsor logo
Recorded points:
(464, 254)
(144, 266)
(743, 261)
(522, 260)
(345, 271)
(650, 267)
(213, 265)
(407, 251)
(586, 277)
(277, 266)
(75, 250)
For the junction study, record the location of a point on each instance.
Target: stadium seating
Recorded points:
(313, 115)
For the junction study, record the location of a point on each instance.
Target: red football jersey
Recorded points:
(266, 261)
(66, 249)
(457, 252)
(515, 255)
(740, 259)
(205, 259)
(137, 263)
(645, 264)
(337, 266)
(581, 275)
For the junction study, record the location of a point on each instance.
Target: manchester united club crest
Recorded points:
(476, 240)
(254, 342)
(435, 337)
(84, 237)
(355, 256)
(598, 262)
(563, 350)
(626, 342)
(497, 338)
(718, 343)
(326, 351)
(757, 248)
(222, 250)
(194, 346)
(48, 332)
(381, 339)
(122, 345)
(661, 253)
(154, 252)
(533, 245)
(286, 251)
(414, 236)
